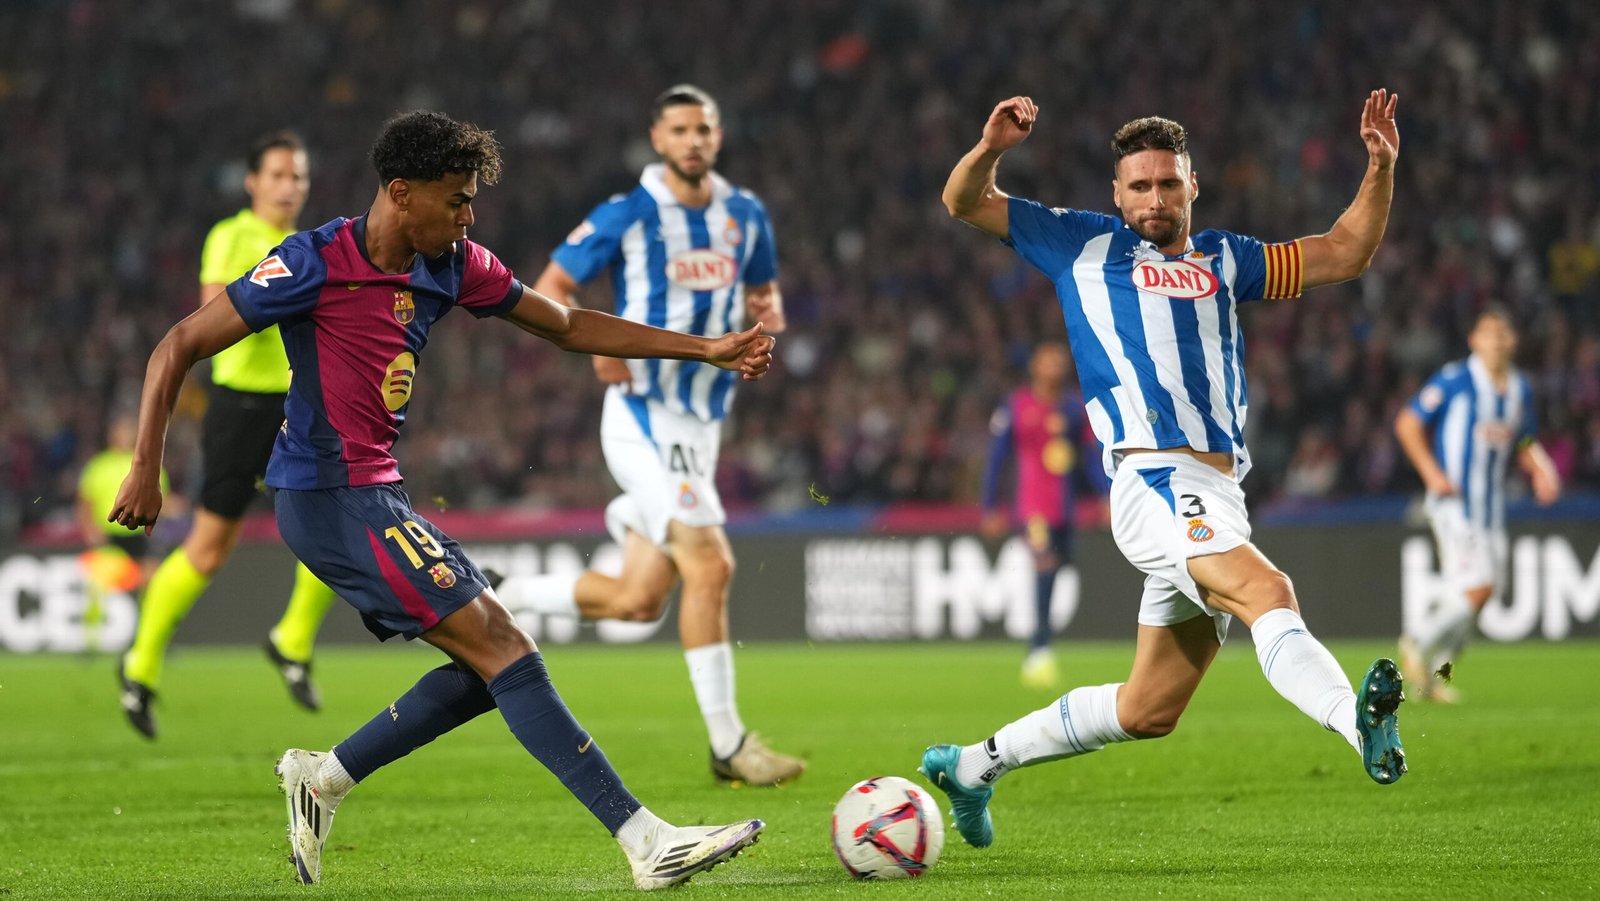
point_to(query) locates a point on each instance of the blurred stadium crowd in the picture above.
(125, 125)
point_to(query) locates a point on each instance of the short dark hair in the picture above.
(278, 140)
(681, 95)
(1494, 309)
(423, 145)
(1149, 133)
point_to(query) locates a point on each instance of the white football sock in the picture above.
(711, 673)
(638, 836)
(1303, 671)
(335, 779)
(1082, 721)
(1442, 635)
(555, 594)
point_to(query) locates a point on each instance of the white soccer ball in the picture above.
(887, 827)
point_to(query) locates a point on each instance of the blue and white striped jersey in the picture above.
(680, 268)
(1155, 338)
(1476, 430)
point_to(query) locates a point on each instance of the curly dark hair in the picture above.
(1149, 133)
(424, 145)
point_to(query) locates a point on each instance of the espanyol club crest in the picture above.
(1199, 531)
(443, 576)
(687, 499)
(404, 309)
(731, 232)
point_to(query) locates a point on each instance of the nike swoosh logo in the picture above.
(354, 286)
(583, 748)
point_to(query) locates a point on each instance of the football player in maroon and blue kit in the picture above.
(355, 300)
(1041, 425)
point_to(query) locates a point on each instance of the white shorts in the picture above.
(665, 463)
(1165, 509)
(1470, 556)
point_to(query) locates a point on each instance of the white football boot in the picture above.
(673, 855)
(310, 809)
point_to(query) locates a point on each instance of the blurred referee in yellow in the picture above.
(242, 417)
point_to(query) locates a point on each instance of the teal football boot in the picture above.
(970, 806)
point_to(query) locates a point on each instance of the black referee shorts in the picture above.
(236, 440)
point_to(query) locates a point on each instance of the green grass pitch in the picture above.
(1247, 799)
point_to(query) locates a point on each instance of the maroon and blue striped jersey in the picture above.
(354, 335)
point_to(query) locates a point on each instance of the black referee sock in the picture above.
(442, 699)
(541, 721)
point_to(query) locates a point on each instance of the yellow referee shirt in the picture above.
(257, 364)
(102, 477)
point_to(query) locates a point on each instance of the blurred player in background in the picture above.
(356, 299)
(1041, 425)
(1151, 315)
(243, 413)
(1459, 432)
(690, 252)
(117, 559)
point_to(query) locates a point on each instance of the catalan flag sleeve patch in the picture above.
(1284, 270)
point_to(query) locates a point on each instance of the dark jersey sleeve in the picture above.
(285, 284)
(487, 287)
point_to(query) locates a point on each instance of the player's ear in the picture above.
(399, 191)
(1194, 186)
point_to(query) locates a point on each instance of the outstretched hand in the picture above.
(1009, 124)
(1378, 129)
(749, 352)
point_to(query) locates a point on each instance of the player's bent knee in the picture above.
(1157, 724)
(639, 608)
(1478, 597)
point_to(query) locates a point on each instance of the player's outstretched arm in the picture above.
(556, 283)
(970, 194)
(212, 328)
(1347, 249)
(588, 331)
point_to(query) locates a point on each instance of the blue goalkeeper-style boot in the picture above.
(1376, 702)
(970, 806)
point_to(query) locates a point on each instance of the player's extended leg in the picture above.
(177, 583)
(704, 561)
(639, 594)
(1168, 664)
(290, 642)
(1244, 583)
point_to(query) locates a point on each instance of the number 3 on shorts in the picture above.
(429, 545)
(1196, 508)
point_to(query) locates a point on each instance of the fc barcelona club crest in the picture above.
(404, 309)
(443, 576)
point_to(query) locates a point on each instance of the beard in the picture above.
(1161, 232)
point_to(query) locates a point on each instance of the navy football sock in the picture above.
(442, 699)
(540, 720)
(1044, 586)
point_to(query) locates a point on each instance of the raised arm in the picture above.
(970, 194)
(1347, 248)
(212, 328)
(589, 331)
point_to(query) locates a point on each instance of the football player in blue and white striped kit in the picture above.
(689, 252)
(1151, 315)
(1459, 432)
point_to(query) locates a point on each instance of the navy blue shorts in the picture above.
(367, 544)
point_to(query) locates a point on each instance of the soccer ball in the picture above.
(887, 828)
